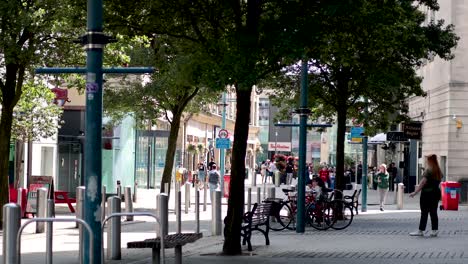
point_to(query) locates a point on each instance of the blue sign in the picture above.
(356, 134)
(223, 143)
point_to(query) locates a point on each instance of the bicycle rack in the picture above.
(51, 219)
(163, 255)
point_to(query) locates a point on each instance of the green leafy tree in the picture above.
(365, 55)
(175, 89)
(32, 33)
(244, 41)
(35, 117)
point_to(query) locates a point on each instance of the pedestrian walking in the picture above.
(201, 175)
(263, 170)
(214, 179)
(430, 196)
(382, 184)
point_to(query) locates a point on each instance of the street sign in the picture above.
(223, 133)
(223, 143)
(413, 130)
(356, 134)
(396, 136)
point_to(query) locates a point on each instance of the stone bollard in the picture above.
(11, 226)
(80, 196)
(277, 178)
(197, 209)
(114, 229)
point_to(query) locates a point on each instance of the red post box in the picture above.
(450, 195)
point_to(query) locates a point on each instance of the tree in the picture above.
(176, 88)
(365, 55)
(30, 32)
(244, 41)
(35, 117)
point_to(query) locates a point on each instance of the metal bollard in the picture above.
(41, 208)
(119, 190)
(128, 202)
(271, 195)
(49, 230)
(103, 203)
(271, 192)
(114, 229)
(176, 191)
(178, 209)
(254, 178)
(216, 222)
(249, 199)
(197, 209)
(205, 191)
(401, 191)
(19, 199)
(80, 195)
(166, 187)
(135, 188)
(163, 199)
(11, 226)
(187, 197)
(259, 194)
(395, 195)
(277, 176)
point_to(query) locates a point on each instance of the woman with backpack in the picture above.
(382, 184)
(214, 179)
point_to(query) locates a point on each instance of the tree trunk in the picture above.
(171, 149)
(340, 147)
(6, 120)
(19, 160)
(233, 220)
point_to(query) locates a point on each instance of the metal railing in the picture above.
(136, 214)
(20, 231)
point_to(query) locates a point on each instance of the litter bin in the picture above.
(227, 183)
(463, 190)
(450, 195)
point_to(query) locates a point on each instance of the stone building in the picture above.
(444, 111)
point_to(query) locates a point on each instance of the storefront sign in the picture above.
(36, 183)
(280, 146)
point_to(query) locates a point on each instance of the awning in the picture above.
(378, 139)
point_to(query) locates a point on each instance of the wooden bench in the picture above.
(353, 200)
(175, 241)
(253, 220)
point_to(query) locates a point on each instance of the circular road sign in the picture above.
(223, 133)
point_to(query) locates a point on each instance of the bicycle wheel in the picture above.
(342, 215)
(282, 219)
(318, 215)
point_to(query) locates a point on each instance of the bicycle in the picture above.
(285, 211)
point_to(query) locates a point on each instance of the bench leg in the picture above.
(178, 254)
(156, 255)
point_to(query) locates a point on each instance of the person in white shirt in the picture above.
(272, 168)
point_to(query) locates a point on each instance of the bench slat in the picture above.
(170, 241)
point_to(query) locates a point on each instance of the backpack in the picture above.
(213, 177)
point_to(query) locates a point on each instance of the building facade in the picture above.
(444, 111)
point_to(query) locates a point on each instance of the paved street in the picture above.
(373, 237)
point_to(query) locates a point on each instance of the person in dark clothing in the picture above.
(359, 173)
(430, 196)
(211, 163)
(393, 172)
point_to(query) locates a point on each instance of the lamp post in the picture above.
(276, 142)
(222, 151)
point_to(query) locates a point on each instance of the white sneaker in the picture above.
(417, 233)
(434, 233)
